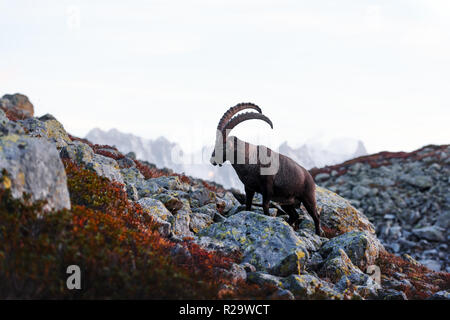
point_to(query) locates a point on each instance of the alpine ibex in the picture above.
(275, 176)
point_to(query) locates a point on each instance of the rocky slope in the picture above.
(204, 243)
(406, 195)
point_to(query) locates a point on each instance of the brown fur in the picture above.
(290, 186)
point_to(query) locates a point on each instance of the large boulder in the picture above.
(82, 154)
(362, 248)
(431, 233)
(33, 166)
(338, 215)
(18, 103)
(264, 241)
(47, 127)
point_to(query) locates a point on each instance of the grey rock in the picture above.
(264, 241)
(431, 233)
(199, 221)
(105, 167)
(156, 209)
(337, 265)
(263, 278)
(422, 182)
(126, 163)
(322, 177)
(169, 183)
(8, 127)
(431, 264)
(209, 209)
(338, 214)
(360, 192)
(310, 287)
(292, 264)
(391, 294)
(18, 103)
(50, 129)
(131, 176)
(147, 188)
(33, 166)
(282, 294)
(441, 295)
(79, 152)
(181, 224)
(172, 202)
(203, 196)
(361, 247)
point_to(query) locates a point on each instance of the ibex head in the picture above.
(224, 144)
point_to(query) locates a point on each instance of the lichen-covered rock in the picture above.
(8, 127)
(338, 265)
(82, 154)
(126, 163)
(227, 202)
(182, 221)
(132, 192)
(263, 278)
(33, 166)
(159, 212)
(47, 127)
(156, 209)
(18, 103)
(338, 214)
(78, 152)
(391, 294)
(169, 183)
(147, 188)
(294, 263)
(209, 209)
(212, 244)
(361, 247)
(311, 240)
(282, 294)
(131, 175)
(105, 167)
(236, 273)
(199, 221)
(264, 241)
(363, 284)
(310, 287)
(170, 200)
(203, 196)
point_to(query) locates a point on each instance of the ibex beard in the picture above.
(275, 176)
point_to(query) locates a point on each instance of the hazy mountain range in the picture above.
(164, 153)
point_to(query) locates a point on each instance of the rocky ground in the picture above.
(350, 262)
(405, 195)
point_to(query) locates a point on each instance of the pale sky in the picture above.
(378, 71)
